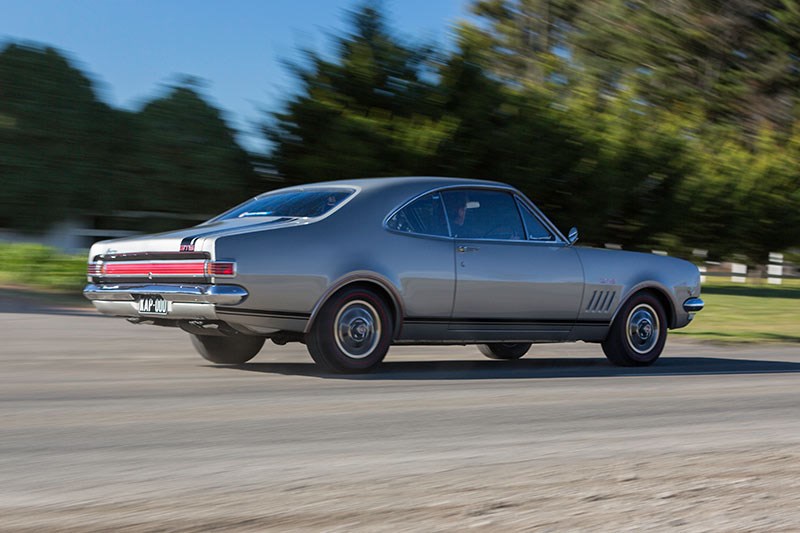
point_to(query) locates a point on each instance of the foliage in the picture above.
(642, 122)
(41, 266)
(188, 156)
(645, 123)
(53, 135)
(370, 113)
(63, 152)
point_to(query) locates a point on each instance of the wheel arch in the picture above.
(660, 293)
(368, 280)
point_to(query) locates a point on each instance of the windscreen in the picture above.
(296, 204)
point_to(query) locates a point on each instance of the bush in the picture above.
(41, 266)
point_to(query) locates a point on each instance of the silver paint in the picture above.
(493, 290)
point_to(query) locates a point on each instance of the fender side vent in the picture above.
(601, 301)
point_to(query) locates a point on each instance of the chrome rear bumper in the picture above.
(184, 302)
(203, 294)
(693, 305)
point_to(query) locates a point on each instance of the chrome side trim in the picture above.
(693, 305)
(212, 294)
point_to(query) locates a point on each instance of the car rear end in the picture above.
(178, 278)
(159, 286)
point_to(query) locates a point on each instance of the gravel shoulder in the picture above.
(109, 426)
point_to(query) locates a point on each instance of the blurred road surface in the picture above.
(109, 426)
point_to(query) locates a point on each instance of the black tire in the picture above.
(504, 350)
(352, 332)
(639, 332)
(227, 350)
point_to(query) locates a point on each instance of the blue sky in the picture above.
(133, 48)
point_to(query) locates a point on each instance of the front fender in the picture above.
(623, 274)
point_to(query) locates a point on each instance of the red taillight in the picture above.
(154, 269)
(160, 268)
(221, 268)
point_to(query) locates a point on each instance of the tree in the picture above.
(602, 129)
(53, 138)
(369, 111)
(641, 108)
(188, 158)
(734, 61)
(526, 40)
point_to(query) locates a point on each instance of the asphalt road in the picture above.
(109, 426)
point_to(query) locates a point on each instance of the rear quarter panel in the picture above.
(292, 269)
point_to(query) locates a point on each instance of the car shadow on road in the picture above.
(532, 369)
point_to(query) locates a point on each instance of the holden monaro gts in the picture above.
(351, 267)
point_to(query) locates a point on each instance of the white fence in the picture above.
(776, 271)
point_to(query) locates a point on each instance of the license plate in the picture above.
(152, 304)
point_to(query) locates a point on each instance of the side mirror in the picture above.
(572, 236)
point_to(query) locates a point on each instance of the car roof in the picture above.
(419, 183)
(423, 181)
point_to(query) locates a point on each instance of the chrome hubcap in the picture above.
(643, 329)
(357, 329)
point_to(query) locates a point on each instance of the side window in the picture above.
(536, 230)
(483, 214)
(424, 216)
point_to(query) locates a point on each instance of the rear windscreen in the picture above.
(296, 203)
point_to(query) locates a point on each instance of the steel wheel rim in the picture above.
(642, 329)
(357, 329)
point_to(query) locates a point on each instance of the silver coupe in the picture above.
(351, 267)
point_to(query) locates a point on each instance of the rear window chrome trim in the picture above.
(354, 190)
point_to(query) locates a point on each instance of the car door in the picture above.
(512, 273)
(420, 251)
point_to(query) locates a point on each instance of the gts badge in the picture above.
(187, 248)
(608, 281)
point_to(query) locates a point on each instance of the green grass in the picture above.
(748, 313)
(41, 267)
(752, 312)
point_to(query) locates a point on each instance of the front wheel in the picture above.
(639, 332)
(504, 350)
(352, 332)
(227, 350)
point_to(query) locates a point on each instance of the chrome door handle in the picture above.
(464, 249)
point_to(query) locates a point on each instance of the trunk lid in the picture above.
(195, 239)
(185, 255)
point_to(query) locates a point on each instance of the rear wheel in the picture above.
(352, 332)
(227, 350)
(504, 350)
(639, 332)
